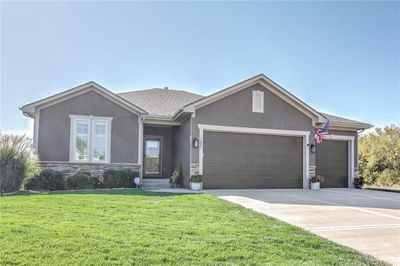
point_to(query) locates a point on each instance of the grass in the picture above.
(131, 227)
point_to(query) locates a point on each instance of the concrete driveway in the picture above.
(366, 220)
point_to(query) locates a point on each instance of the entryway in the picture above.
(157, 152)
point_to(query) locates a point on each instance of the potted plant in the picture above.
(196, 182)
(176, 179)
(316, 181)
(359, 182)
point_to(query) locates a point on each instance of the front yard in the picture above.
(130, 227)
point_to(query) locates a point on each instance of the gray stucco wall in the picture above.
(236, 110)
(166, 133)
(54, 128)
(181, 148)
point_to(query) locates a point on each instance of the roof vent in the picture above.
(165, 88)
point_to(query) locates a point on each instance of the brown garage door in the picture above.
(234, 160)
(332, 163)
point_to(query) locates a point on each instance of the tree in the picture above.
(380, 154)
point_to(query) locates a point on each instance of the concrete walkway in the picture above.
(175, 190)
(368, 221)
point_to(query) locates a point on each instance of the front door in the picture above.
(152, 156)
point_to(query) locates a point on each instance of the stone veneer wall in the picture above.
(95, 169)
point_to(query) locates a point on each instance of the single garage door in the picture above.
(233, 160)
(332, 163)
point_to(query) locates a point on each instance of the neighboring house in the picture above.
(254, 134)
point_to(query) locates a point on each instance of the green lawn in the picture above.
(131, 227)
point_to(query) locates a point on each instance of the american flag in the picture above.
(321, 132)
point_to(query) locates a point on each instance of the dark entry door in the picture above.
(152, 156)
(332, 163)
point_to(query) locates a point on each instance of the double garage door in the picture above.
(233, 160)
(244, 161)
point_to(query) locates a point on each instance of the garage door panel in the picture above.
(332, 163)
(234, 160)
(244, 182)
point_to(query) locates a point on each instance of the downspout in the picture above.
(140, 145)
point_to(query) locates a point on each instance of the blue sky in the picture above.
(339, 57)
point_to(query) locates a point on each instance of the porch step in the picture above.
(155, 183)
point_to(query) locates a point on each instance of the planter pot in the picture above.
(196, 186)
(315, 185)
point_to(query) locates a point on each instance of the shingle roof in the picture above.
(341, 121)
(162, 102)
(166, 102)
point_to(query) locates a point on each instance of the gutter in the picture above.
(26, 114)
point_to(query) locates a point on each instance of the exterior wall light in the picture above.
(195, 143)
(313, 148)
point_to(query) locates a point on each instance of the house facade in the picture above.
(254, 134)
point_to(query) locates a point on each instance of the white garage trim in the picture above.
(350, 155)
(260, 131)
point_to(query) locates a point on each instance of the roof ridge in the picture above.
(161, 89)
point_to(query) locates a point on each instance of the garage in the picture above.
(243, 161)
(332, 163)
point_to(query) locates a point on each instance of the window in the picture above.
(90, 139)
(99, 140)
(258, 101)
(81, 140)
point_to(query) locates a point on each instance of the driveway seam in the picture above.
(364, 196)
(373, 212)
(333, 203)
(351, 227)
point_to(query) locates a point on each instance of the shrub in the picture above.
(18, 161)
(46, 180)
(81, 180)
(119, 178)
(389, 177)
(196, 179)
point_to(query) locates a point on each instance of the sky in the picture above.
(339, 57)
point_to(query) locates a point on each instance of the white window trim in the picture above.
(350, 154)
(262, 131)
(255, 95)
(91, 119)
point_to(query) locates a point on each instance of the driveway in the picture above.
(366, 220)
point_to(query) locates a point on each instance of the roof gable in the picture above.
(68, 94)
(268, 84)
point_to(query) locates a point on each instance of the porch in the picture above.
(164, 150)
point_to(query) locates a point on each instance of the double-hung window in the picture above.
(90, 139)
